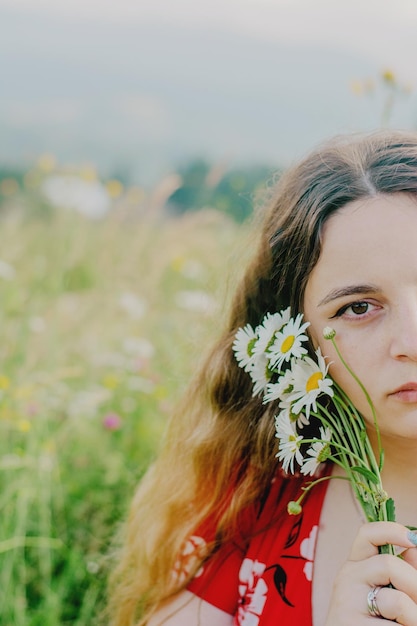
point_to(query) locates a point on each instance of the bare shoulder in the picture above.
(187, 609)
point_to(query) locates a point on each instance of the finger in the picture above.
(410, 556)
(396, 606)
(386, 569)
(373, 535)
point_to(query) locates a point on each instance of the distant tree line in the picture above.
(231, 191)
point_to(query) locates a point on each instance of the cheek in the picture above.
(345, 379)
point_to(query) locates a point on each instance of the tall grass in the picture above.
(100, 326)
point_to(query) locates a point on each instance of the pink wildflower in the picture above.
(112, 421)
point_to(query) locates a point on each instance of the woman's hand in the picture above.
(367, 570)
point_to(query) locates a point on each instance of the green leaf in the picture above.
(367, 473)
(368, 509)
(390, 508)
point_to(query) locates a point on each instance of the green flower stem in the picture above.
(367, 396)
(335, 426)
(369, 462)
(368, 453)
(305, 490)
(382, 510)
(355, 422)
(341, 426)
(359, 426)
(353, 447)
(363, 491)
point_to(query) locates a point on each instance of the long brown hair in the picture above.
(219, 452)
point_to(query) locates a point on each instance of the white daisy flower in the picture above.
(271, 325)
(318, 452)
(260, 374)
(281, 389)
(310, 381)
(289, 443)
(299, 419)
(288, 342)
(245, 339)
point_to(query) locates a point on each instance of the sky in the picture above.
(140, 86)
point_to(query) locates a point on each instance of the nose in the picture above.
(404, 333)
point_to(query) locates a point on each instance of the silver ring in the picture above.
(372, 605)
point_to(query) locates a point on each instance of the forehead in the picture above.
(367, 239)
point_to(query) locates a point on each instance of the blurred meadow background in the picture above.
(136, 140)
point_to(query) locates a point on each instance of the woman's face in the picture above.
(365, 287)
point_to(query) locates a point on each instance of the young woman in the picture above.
(209, 540)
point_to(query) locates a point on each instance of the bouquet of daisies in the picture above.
(275, 356)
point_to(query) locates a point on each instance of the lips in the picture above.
(406, 393)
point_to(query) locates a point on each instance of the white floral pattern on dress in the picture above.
(194, 549)
(252, 591)
(307, 548)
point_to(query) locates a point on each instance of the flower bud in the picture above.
(329, 333)
(294, 508)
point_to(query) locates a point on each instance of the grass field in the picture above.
(101, 324)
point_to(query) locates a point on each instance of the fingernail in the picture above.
(412, 536)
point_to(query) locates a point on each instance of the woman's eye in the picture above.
(359, 308)
(355, 309)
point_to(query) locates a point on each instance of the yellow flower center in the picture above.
(313, 381)
(287, 344)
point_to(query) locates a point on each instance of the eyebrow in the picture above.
(349, 290)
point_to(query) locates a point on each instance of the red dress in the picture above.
(265, 580)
